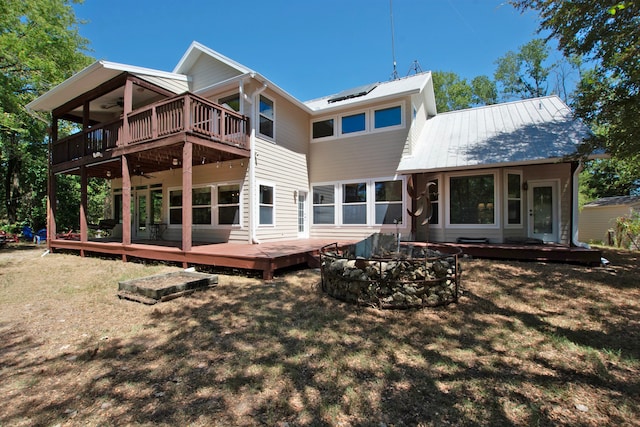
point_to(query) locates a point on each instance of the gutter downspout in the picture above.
(574, 207)
(253, 224)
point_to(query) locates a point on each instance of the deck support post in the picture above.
(83, 206)
(187, 198)
(52, 188)
(126, 203)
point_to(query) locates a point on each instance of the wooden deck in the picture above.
(271, 256)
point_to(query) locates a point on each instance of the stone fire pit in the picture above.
(383, 273)
(164, 287)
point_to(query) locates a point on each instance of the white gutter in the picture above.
(253, 224)
(575, 214)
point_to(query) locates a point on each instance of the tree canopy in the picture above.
(454, 93)
(607, 35)
(39, 47)
(524, 74)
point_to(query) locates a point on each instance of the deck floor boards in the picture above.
(271, 256)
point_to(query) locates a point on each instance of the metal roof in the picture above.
(538, 130)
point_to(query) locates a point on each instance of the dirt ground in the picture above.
(527, 344)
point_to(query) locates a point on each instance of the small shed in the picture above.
(599, 216)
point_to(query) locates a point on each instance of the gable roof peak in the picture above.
(196, 49)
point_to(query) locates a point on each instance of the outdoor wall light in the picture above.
(108, 174)
(525, 186)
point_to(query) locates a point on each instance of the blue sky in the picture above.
(310, 48)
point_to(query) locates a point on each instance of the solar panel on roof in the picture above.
(353, 93)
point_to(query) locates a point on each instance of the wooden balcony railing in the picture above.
(183, 113)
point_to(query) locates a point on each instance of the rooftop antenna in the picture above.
(394, 75)
(415, 67)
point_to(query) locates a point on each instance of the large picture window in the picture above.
(266, 205)
(472, 199)
(324, 204)
(354, 203)
(388, 202)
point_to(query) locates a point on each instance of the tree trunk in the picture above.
(12, 180)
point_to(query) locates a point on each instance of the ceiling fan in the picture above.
(137, 171)
(117, 103)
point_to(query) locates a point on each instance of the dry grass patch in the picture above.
(528, 344)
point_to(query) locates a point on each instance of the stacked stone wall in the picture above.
(412, 278)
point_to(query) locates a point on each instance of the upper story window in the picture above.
(323, 128)
(371, 120)
(231, 101)
(354, 123)
(267, 116)
(387, 117)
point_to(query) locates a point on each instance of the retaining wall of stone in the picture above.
(413, 278)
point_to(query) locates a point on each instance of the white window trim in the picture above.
(370, 204)
(335, 204)
(440, 202)
(367, 202)
(213, 187)
(275, 199)
(506, 198)
(325, 138)
(258, 115)
(216, 205)
(341, 134)
(496, 200)
(369, 122)
(372, 117)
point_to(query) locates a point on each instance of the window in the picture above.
(117, 206)
(229, 204)
(514, 199)
(354, 123)
(472, 199)
(266, 205)
(323, 128)
(434, 197)
(324, 204)
(175, 207)
(201, 205)
(266, 116)
(354, 203)
(387, 117)
(231, 101)
(388, 202)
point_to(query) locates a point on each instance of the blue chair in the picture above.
(41, 236)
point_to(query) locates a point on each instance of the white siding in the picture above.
(207, 71)
(283, 163)
(595, 221)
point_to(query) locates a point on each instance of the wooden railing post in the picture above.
(186, 114)
(154, 122)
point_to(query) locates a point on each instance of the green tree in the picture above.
(524, 74)
(454, 93)
(39, 47)
(610, 177)
(607, 35)
(484, 91)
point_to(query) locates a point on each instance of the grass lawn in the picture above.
(528, 344)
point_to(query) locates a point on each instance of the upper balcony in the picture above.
(220, 132)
